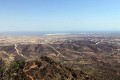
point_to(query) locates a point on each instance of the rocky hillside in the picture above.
(43, 69)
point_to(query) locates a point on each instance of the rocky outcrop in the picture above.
(43, 69)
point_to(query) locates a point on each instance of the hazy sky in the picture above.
(59, 15)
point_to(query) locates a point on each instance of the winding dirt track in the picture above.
(17, 51)
(55, 50)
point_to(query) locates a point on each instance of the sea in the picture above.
(43, 33)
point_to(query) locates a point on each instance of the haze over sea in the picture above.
(41, 33)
